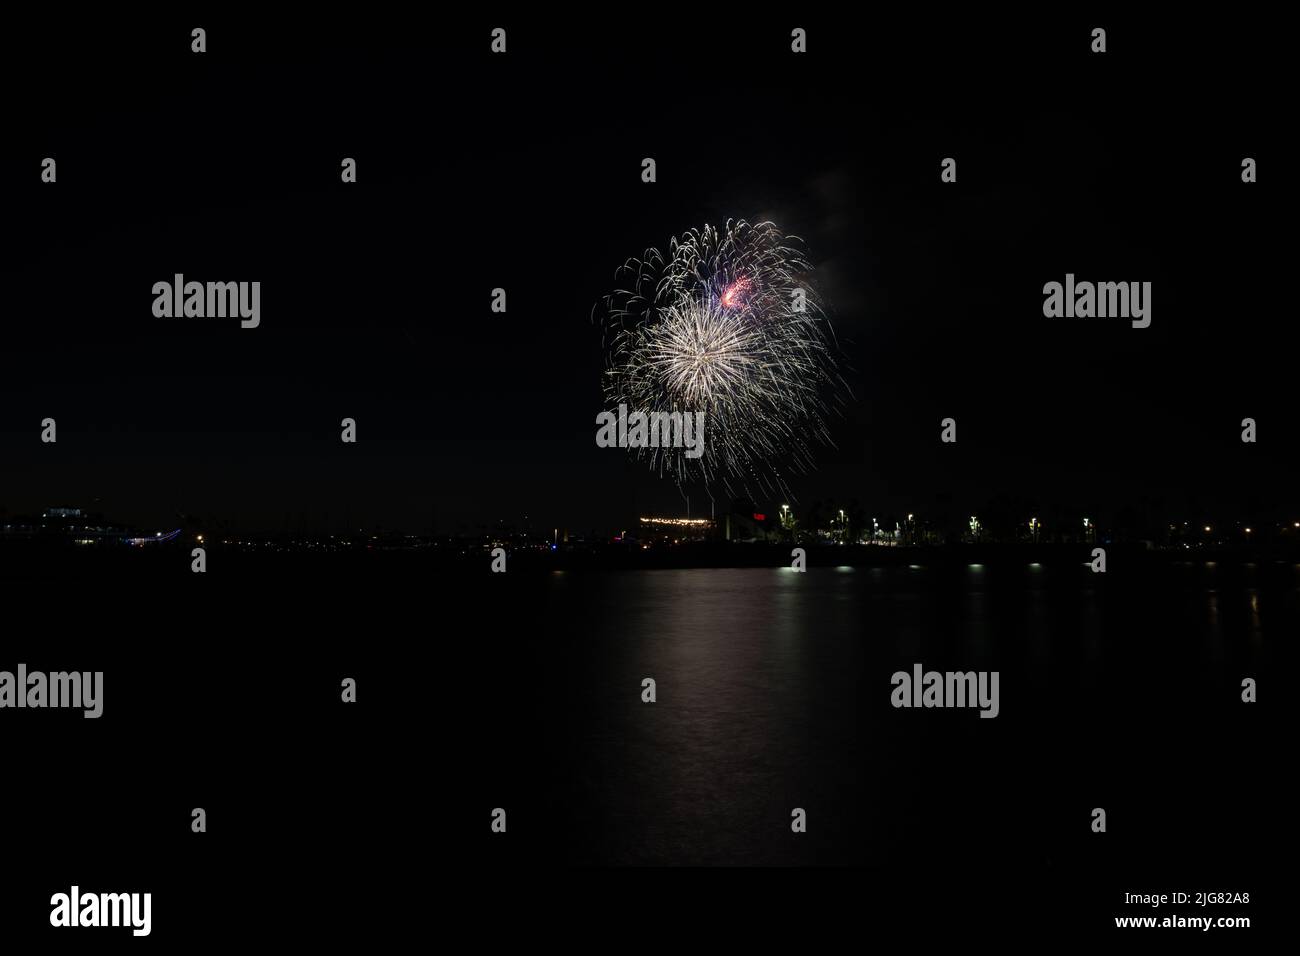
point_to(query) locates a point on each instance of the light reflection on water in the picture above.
(773, 689)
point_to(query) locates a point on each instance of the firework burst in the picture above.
(726, 323)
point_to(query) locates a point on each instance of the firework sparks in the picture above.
(727, 323)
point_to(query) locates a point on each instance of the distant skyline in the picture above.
(1000, 517)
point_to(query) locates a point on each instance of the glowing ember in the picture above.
(731, 297)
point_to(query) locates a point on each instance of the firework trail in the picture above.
(726, 323)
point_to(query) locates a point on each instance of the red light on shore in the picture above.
(759, 517)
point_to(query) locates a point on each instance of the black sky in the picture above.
(523, 171)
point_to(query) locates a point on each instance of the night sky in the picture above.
(523, 171)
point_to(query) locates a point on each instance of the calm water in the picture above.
(523, 691)
(774, 693)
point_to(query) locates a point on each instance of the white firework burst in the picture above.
(729, 324)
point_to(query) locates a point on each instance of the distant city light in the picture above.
(679, 522)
